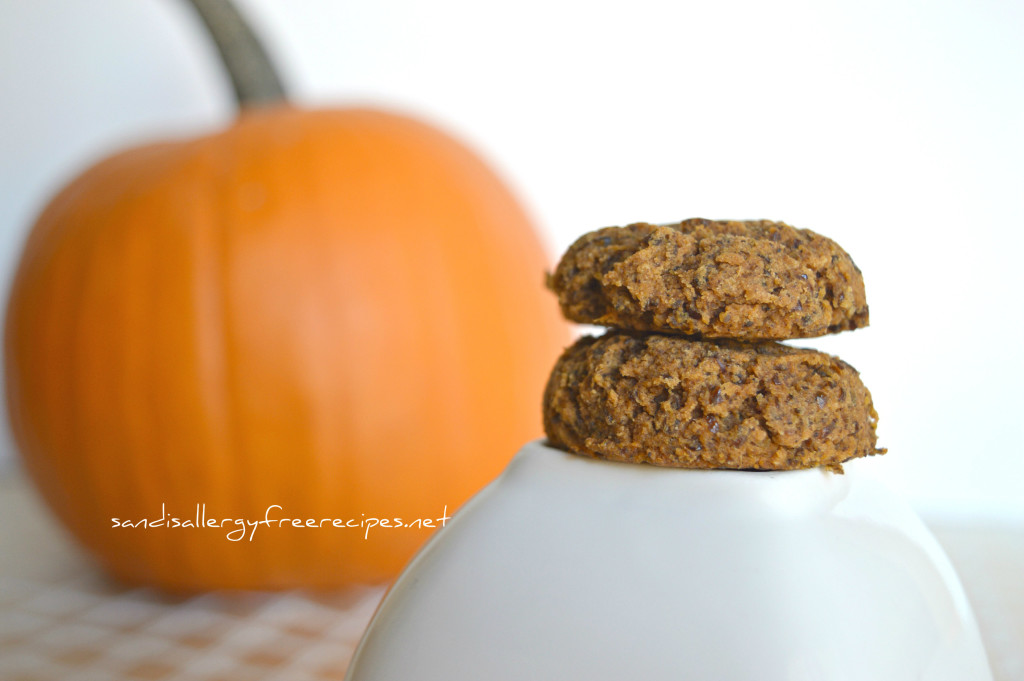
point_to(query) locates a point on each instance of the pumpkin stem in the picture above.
(253, 76)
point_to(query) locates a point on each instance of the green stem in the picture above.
(253, 76)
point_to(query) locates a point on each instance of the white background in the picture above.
(895, 127)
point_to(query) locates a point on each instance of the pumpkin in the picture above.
(326, 320)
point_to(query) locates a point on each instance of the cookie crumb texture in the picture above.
(753, 280)
(672, 401)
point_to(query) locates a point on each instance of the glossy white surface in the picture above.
(571, 568)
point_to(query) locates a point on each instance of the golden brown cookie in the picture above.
(673, 401)
(754, 280)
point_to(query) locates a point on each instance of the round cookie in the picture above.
(754, 280)
(672, 401)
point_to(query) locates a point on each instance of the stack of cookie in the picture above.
(689, 374)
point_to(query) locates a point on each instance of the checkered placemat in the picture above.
(85, 629)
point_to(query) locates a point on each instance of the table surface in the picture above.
(60, 618)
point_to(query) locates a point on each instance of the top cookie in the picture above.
(748, 280)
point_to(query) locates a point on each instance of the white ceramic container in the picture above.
(572, 568)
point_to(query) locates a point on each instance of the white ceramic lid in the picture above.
(573, 568)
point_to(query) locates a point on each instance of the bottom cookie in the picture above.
(671, 401)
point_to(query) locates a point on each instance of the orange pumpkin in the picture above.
(333, 315)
